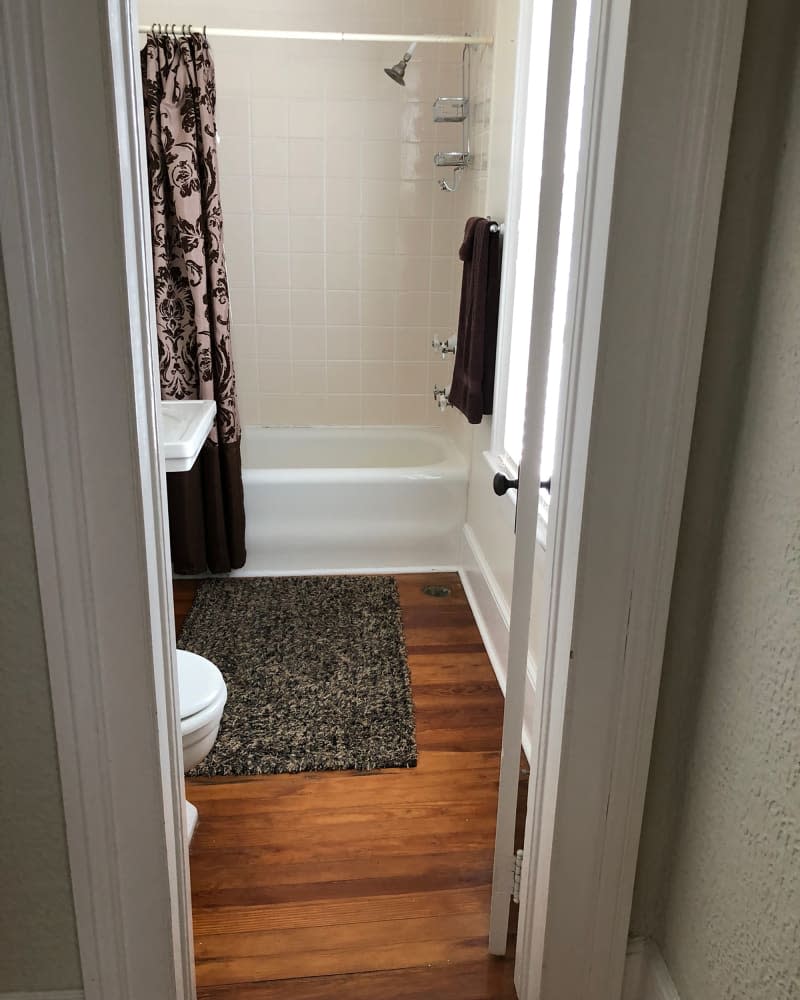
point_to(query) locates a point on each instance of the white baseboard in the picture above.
(44, 995)
(492, 616)
(646, 974)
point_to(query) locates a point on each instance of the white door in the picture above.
(549, 132)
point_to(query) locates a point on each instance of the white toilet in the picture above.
(202, 695)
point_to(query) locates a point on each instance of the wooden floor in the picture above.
(363, 886)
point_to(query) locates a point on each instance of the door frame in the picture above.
(643, 260)
(73, 223)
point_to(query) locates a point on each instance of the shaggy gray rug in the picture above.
(316, 672)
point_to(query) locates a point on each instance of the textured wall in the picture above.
(38, 946)
(718, 884)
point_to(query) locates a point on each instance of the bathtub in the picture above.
(341, 499)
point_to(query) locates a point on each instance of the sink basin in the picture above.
(184, 428)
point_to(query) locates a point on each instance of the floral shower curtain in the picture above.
(206, 505)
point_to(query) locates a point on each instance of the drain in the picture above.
(436, 590)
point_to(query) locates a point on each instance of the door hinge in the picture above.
(517, 875)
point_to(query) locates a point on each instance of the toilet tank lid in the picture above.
(199, 683)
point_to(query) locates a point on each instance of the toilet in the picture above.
(202, 695)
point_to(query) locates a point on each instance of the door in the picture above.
(549, 137)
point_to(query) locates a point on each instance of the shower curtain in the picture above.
(206, 504)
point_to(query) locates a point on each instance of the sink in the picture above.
(184, 428)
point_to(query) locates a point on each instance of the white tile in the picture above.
(342, 196)
(342, 271)
(273, 308)
(268, 76)
(447, 237)
(413, 344)
(342, 158)
(341, 234)
(414, 236)
(379, 198)
(377, 343)
(274, 376)
(275, 411)
(271, 233)
(414, 273)
(306, 234)
(308, 307)
(444, 309)
(270, 195)
(380, 272)
(306, 196)
(234, 156)
(416, 121)
(306, 119)
(414, 199)
(376, 410)
(344, 378)
(270, 156)
(343, 119)
(380, 159)
(443, 273)
(342, 308)
(378, 377)
(306, 270)
(310, 411)
(270, 117)
(249, 408)
(410, 410)
(235, 196)
(413, 309)
(306, 157)
(344, 411)
(308, 343)
(344, 343)
(378, 308)
(411, 379)
(243, 339)
(247, 380)
(378, 235)
(309, 378)
(233, 117)
(382, 119)
(274, 342)
(243, 306)
(272, 270)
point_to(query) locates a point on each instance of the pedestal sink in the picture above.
(185, 425)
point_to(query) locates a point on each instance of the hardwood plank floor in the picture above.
(370, 886)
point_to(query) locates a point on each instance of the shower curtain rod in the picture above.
(322, 36)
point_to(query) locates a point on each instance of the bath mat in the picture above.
(316, 671)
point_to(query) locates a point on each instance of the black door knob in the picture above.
(501, 485)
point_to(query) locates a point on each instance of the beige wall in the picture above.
(341, 249)
(38, 946)
(718, 884)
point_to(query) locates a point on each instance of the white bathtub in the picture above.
(336, 499)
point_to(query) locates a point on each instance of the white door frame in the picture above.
(73, 224)
(642, 264)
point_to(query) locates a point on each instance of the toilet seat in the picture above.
(200, 686)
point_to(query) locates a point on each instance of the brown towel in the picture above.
(472, 388)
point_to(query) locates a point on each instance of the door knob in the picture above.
(501, 484)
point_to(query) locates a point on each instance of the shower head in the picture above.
(398, 71)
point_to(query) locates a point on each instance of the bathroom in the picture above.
(341, 238)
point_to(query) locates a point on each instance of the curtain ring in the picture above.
(205, 36)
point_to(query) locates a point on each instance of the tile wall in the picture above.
(341, 249)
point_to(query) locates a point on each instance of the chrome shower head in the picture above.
(398, 71)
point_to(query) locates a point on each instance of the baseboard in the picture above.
(646, 974)
(44, 995)
(492, 616)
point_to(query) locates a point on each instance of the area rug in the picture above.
(316, 671)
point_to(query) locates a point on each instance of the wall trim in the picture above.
(45, 995)
(493, 618)
(646, 974)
